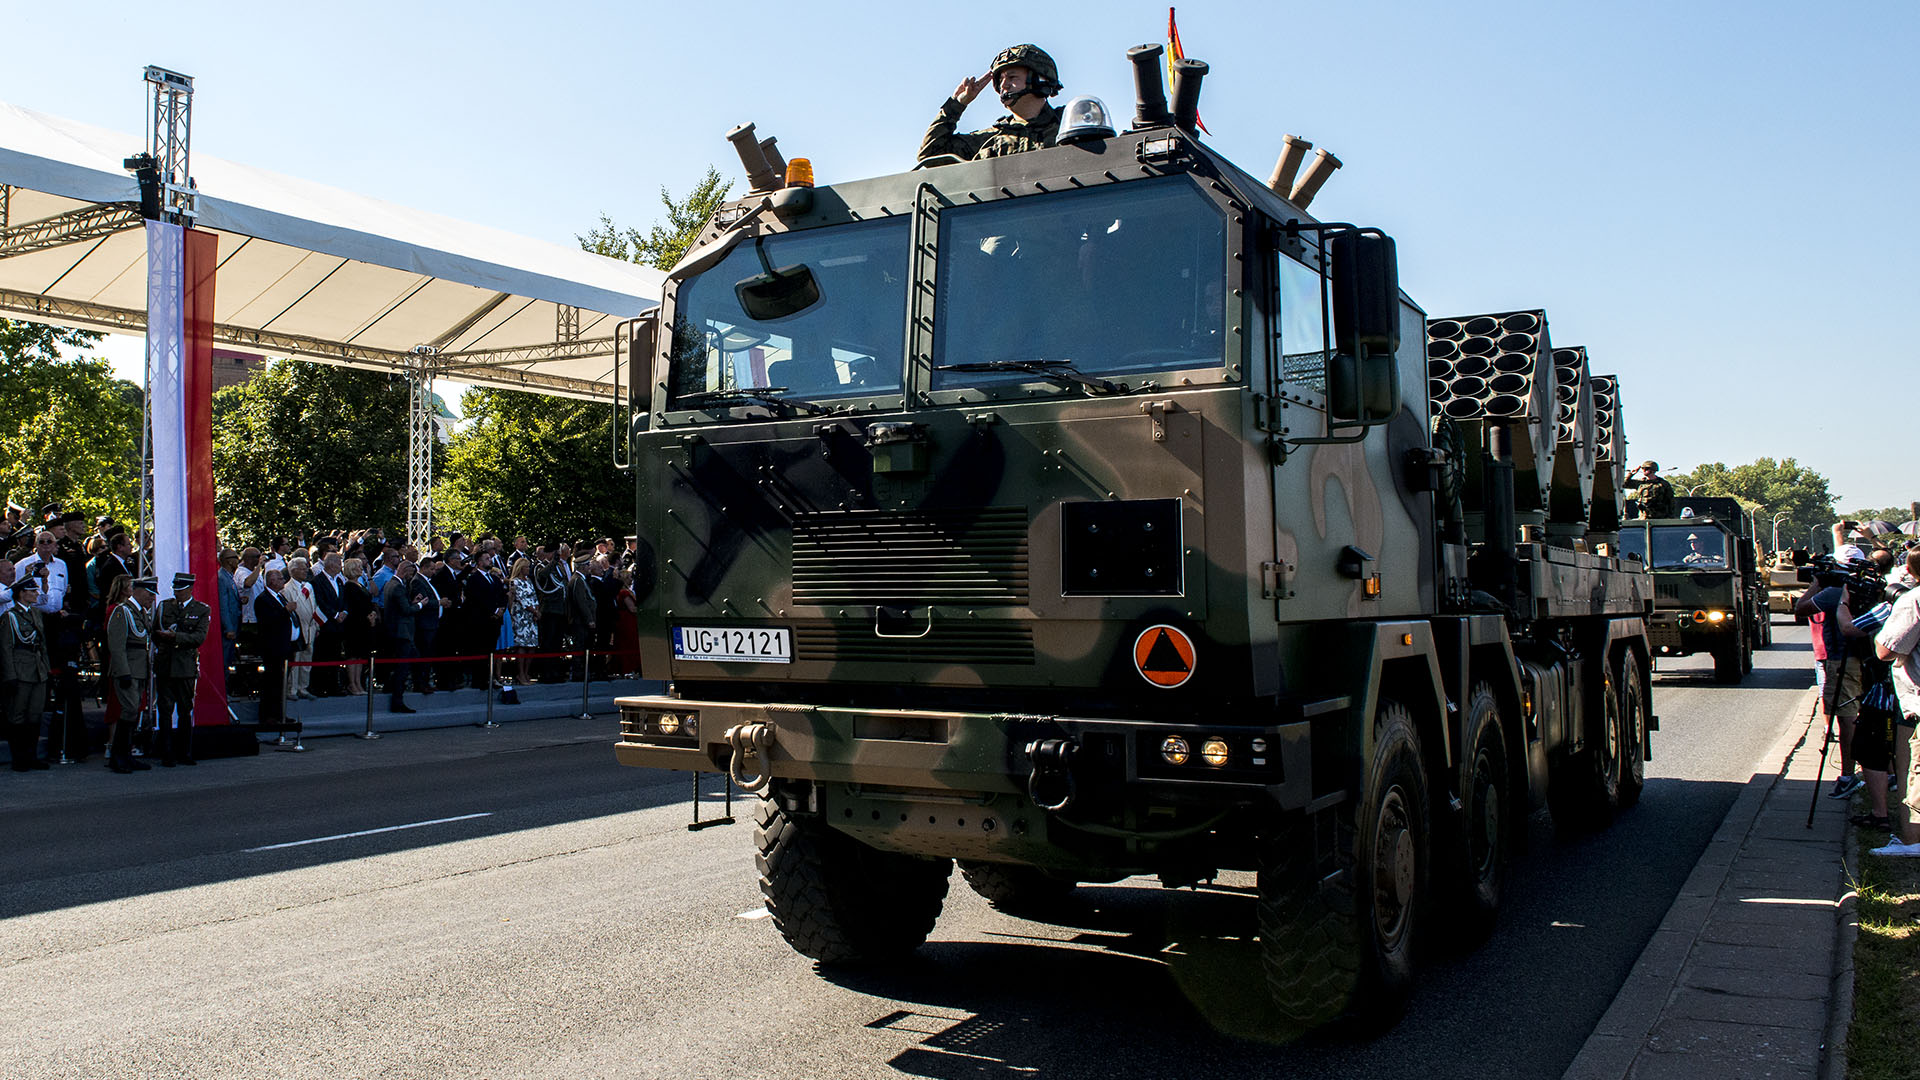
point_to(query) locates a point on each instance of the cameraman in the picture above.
(1828, 598)
(1899, 642)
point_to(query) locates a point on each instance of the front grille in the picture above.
(1666, 590)
(944, 643)
(911, 558)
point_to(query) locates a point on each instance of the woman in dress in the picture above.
(357, 633)
(523, 607)
(626, 628)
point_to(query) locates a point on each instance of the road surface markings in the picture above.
(1789, 900)
(756, 913)
(367, 832)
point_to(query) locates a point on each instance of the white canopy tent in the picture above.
(308, 271)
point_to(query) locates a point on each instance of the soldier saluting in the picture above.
(127, 635)
(1024, 77)
(23, 674)
(181, 627)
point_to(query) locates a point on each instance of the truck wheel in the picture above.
(1583, 789)
(1633, 730)
(1746, 655)
(1476, 859)
(839, 901)
(1726, 662)
(1016, 890)
(1343, 946)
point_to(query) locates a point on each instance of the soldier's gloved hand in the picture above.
(126, 682)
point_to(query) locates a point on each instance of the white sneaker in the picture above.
(1896, 847)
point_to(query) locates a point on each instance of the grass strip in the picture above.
(1882, 1043)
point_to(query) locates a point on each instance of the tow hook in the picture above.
(1050, 783)
(754, 739)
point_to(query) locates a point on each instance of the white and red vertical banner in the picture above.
(180, 271)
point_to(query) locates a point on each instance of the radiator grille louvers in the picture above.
(911, 558)
(945, 643)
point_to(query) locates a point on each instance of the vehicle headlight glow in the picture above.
(1716, 616)
(668, 724)
(1174, 750)
(1214, 752)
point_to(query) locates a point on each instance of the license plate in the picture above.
(760, 645)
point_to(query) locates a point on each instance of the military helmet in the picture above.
(1046, 75)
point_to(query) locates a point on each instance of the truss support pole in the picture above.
(422, 433)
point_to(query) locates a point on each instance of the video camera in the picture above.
(1865, 587)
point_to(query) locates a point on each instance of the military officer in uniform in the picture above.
(1024, 77)
(128, 668)
(24, 669)
(180, 628)
(1655, 494)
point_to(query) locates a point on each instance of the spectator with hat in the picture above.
(128, 669)
(550, 580)
(181, 627)
(24, 670)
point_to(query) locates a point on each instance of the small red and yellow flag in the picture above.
(1175, 52)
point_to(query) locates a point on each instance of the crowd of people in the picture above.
(1864, 610)
(337, 614)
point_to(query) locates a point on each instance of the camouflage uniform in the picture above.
(177, 666)
(1008, 135)
(23, 680)
(1656, 498)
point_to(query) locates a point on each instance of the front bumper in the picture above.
(1678, 633)
(971, 753)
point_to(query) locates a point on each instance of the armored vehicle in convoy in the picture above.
(1708, 593)
(1094, 512)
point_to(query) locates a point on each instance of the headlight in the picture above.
(1716, 616)
(668, 724)
(1214, 752)
(1174, 750)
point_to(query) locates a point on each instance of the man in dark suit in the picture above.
(398, 606)
(484, 596)
(583, 612)
(273, 617)
(426, 620)
(333, 616)
(452, 637)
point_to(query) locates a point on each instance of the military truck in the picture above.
(1085, 513)
(1708, 593)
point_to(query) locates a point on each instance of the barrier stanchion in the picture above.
(586, 682)
(493, 659)
(373, 675)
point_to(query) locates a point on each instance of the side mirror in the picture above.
(643, 342)
(1363, 383)
(776, 292)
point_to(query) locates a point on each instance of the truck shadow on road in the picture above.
(1134, 980)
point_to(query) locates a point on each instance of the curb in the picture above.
(1622, 1032)
(1840, 1014)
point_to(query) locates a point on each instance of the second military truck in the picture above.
(1095, 512)
(1708, 592)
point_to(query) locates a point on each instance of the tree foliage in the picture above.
(305, 447)
(69, 430)
(662, 245)
(1892, 515)
(525, 463)
(1768, 487)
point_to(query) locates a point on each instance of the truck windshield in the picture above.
(1681, 547)
(1104, 281)
(848, 343)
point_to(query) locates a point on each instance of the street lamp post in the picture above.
(1777, 518)
(1693, 489)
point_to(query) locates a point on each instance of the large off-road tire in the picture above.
(1726, 661)
(1474, 860)
(1633, 729)
(839, 901)
(1342, 946)
(1583, 789)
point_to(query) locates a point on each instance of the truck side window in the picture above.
(1303, 357)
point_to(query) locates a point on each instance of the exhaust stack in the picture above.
(776, 161)
(1149, 92)
(1293, 151)
(1316, 175)
(1186, 93)
(760, 175)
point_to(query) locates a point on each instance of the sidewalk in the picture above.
(1751, 973)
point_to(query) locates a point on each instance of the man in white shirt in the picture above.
(1899, 642)
(298, 593)
(53, 578)
(250, 578)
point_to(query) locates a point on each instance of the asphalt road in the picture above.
(515, 905)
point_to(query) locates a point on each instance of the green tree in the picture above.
(662, 245)
(1892, 515)
(1768, 487)
(305, 447)
(69, 430)
(525, 463)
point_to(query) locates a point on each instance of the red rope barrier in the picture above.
(447, 659)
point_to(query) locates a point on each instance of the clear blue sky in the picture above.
(1714, 197)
